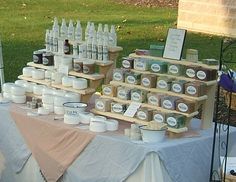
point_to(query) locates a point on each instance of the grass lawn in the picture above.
(23, 25)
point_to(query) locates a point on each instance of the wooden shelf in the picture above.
(41, 66)
(156, 90)
(134, 120)
(42, 82)
(182, 62)
(151, 106)
(95, 76)
(208, 83)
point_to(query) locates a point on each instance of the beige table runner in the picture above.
(54, 144)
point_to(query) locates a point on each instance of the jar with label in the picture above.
(78, 65)
(48, 59)
(66, 47)
(128, 63)
(118, 108)
(123, 93)
(144, 114)
(175, 120)
(177, 86)
(206, 74)
(138, 95)
(158, 67)
(119, 74)
(164, 83)
(148, 80)
(141, 64)
(191, 71)
(185, 106)
(159, 116)
(89, 67)
(132, 78)
(154, 98)
(175, 69)
(109, 90)
(102, 104)
(169, 102)
(195, 89)
(38, 57)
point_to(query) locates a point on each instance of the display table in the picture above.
(112, 157)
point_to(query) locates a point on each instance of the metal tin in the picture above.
(48, 59)
(38, 57)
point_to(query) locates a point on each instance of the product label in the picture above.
(191, 90)
(171, 121)
(158, 118)
(100, 105)
(201, 75)
(173, 69)
(35, 58)
(142, 115)
(107, 91)
(177, 88)
(182, 107)
(167, 104)
(190, 72)
(136, 97)
(117, 76)
(126, 64)
(77, 67)
(85, 69)
(146, 82)
(122, 94)
(117, 108)
(162, 84)
(140, 65)
(66, 49)
(155, 67)
(131, 79)
(45, 61)
(153, 100)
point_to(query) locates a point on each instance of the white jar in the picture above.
(18, 99)
(20, 82)
(58, 110)
(7, 87)
(71, 119)
(85, 117)
(29, 87)
(80, 83)
(61, 93)
(73, 97)
(56, 77)
(59, 101)
(67, 81)
(38, 89)
(27, 71)
(97, 126)
(38, 74)
(7, 95)
(17, 90)
(48, 99)
(50, 107)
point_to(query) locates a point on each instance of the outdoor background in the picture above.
(139, 24)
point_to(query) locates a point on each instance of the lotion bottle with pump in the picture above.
(78, 32)
(63, 29)
(86, 34)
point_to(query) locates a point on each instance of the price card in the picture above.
(132, 109)
(63, 69)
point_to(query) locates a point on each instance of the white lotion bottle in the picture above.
(94, 46)
(63, 29)
(71, 31)
(105, 49)
(78, 32)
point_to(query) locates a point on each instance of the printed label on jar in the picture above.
(126, 64)
(117, 76)
(162, 84)
(77, 67)
(35, 58)
(85, 69)
(173, 69)
(182, 107)
(190, 72)
(177, 88)
(100, 105)
(146, 82)
(142, 115)
(155, 67)
(201, 75)
(131, 79)
(140, 65)
(107, 91)
(191, 90)
(171, 121)
(45, 61)
(122, 94)
(136, 96)
(167, 104)
(158, 118)
(117, 108)
(153, 100)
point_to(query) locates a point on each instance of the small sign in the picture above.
(132, 109)
(174, 43)
(63, 69)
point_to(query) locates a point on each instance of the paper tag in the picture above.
(132, 109)
(63, 69)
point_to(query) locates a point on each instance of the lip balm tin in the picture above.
(148, 80)
(48, 59)
(177, 86)
(191, 71)
(158, 67)
(119, 74)
(141, 64)
(164, 83)
(159, 116)
(89, 67)
(175, 120)
(78, 65)
(169, 102)
(206, 74)
(128, 63)
(38, 57)
(185, 106)
(154, 98)
(102, 104)
(123, 93)
(138, 95)
(109, 90)
(195, 89)
(132, 78)
(175, 69)
(118, 108)
(144, 114)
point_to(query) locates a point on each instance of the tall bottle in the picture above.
(112, 36)
(106, 30)
(100, 47)
(55, 26)
(94, 46)
(47, 40)
(55, 41)
(105, 48)
(71, 31)
(100, 31)
(89, 47)
(51, 40)
(86, 34)
(91, 30)
(63, 29)
(78, 32)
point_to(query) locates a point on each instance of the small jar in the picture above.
(66, 47)
(78, 65)
(88, 67)
(48, 59)
(38, 57)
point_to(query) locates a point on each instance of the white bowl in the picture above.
(152, 136)
(67, 81)
(74, 108)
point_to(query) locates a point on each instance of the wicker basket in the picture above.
(227, 99)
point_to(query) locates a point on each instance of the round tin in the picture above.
(38, 57)
(48, 59)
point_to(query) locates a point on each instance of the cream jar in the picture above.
(38, 74)
(112, 124)
(67, 81)
(89, 67)
(29, 86)
(71, 119)
(58, 110)
(27, 71)
(38, 89)
(48, 99)
(56, 77)
(17, 90)
(97, 126)
(80, 83)
(59, 101)
(18, 99)
(7, 87)
(73, 97)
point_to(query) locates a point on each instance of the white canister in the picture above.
(17, 90)
(85, 117)
(58, 110)
(7, 95)
(7, 87)
(18, 99)
(20, 82)
(98, 118)
(71, 119)
(48, 90)
(38, 89)
(43, 111)
(67, 81)
(48, 99)
(57, 61)
(56, 77)
(50, 107)
(112, 124)
(66, 61)
(38, 74)
(80, 83)
(48, 74)
(97, 126)
(74, 108)
(29, 86)
(59, 101)
(61, 93)
(27, 71)
(73, 97)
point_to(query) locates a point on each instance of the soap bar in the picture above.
(119, 74)
(164, 83)
(206, 74)
(175, 69)
(128, 63)
(191, 71)
(154, 98)
(158, 67)
(195, 89)
(159, 116)
(138, 95)
(177, 86)
(118, 108)
(102, 104)
(144, 114)
(169, 102)
(185, 106)
(148, 80)
(210, 61)
(109, 90)
(141, 64)
(175, 120)
(123, 93)
(132, 78)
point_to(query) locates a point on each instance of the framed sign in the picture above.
(174, 43)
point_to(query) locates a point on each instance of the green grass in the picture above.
(22, 28)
